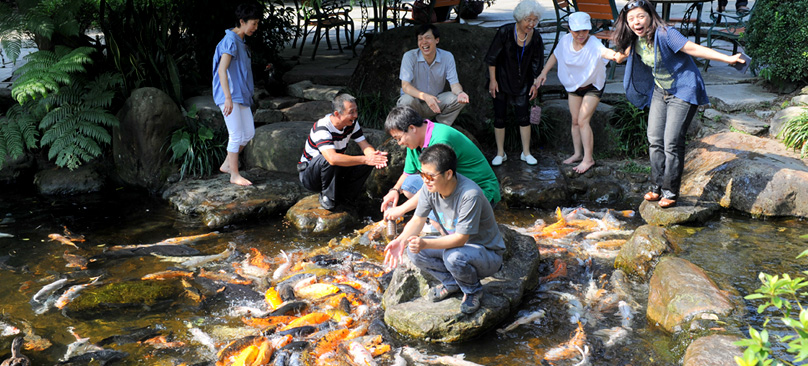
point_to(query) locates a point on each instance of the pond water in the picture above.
(732, 249)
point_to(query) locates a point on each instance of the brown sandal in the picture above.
(665, 203)
(652, 196)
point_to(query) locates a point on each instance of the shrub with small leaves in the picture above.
(777, 39)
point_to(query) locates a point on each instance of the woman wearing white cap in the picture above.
(514, 61)
(582, 63)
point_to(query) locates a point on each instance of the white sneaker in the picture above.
(497, 161)
(529, 159)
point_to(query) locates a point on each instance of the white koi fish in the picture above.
(8, 329)
(195, 261)
(281, 270)
(626, 314)
(611, 336)
(4, 235)
(417, 357)
(79, 347)
(72, 293)
(360, 355)
(529, 318)
(203, 338)
(42, 295)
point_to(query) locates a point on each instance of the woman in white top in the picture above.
(582, 63)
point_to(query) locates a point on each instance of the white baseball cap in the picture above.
(579, 21)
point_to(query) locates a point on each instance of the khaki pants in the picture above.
(447, 102)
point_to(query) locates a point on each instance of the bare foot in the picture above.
(572, 159)
(238, 179)
(224, 168)
(583, 167)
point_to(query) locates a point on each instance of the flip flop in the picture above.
(665, 203)
(652, 196)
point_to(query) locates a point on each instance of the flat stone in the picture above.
(764, 114)
(281, 102)
(267, 116)
(735, 97)
(688, 209)
(310, 91)
(217, 202)
(713, 350)
(410, 314)
(746, 124)
(307, 216)
(307, 111)
(712, 114)
(783, 116)
(679, 291)
(755, 175)
(541, 185)
(296, 90)
(640, 253)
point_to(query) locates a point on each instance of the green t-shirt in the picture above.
(471, 162)
(662, 77)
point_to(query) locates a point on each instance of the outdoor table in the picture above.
(697, 4)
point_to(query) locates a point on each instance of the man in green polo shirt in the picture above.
(415, 133)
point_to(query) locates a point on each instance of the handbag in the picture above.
(535, 115)
(421, 13)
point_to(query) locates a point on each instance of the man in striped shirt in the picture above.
(324, 167)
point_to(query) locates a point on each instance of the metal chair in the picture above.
(563, 9)
(604, 14)
(729, 27)
(322, 17)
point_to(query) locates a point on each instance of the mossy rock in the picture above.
(113, 298)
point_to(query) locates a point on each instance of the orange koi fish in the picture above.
(316, 291)
(568, 349)
(242, 351)
(330, 341)
(74, 260)
(186, 239)
(73, 237)
(72, 293)
(269, 321)
(273, 298)
(308, 319)
(560, 271)
(63, 240)
(168, 274)
(610, 244)
(160, 342)
(224, 277)
(258, 259)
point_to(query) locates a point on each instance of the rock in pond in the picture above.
(541, 185)
(115, 299)
(409, 313)
(218, 202)
(639, 254)
(679, 291)
(688, 209)
(307, 216)
(747, 173)
(84, 179)
(713, 350)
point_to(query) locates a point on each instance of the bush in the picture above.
(196, 147)
(795, 134)
(777, 40)
(631, 128)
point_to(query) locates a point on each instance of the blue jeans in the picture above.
(462, 266)
(668, 120)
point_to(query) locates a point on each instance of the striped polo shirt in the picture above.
(324, 135)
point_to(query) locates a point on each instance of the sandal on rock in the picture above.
(665, 203)
(440, 292)
(652, 196)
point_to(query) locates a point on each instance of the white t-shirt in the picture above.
(583, 67)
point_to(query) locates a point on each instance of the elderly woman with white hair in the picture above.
(515, 61)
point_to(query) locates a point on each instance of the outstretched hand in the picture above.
(392, 253)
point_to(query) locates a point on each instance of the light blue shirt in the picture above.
(430, 79)
(239, 73)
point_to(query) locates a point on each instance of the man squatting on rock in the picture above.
(415, 133)
(324, 167)
(424, 73)
(470, 247)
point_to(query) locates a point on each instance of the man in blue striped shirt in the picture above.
(324, 167)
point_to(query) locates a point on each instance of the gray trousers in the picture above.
(668, 120)
(463, 266)
(447, 102)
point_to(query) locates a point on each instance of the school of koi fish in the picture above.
(323, 307)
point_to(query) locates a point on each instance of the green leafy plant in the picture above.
(57, 100)
(631, 126)
(635, 168)
(782, 293)
(197, 147)
(776, 39)
(795, 134)
(373, 109)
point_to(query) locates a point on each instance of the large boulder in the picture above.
(640, 253)
(217, 202)
(207, 111)
(13, 169)
(713, 350)
(410, 314)
(377, 70)
(307, 216)
(679, 291)
(147, 120)
(747, 173)
(84, 179)
(556, 113)
(541, 185)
